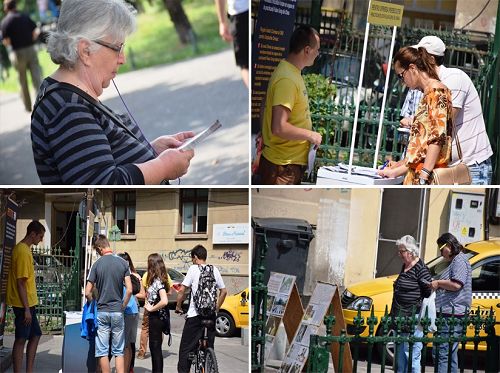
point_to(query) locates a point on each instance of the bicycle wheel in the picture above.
(210, 361)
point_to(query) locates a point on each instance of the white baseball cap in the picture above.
(432, 44)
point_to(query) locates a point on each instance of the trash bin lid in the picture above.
(289, 225)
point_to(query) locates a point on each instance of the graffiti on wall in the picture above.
(230, 256)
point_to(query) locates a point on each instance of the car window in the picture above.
(439, 264)
(486, 276)
(175, 275)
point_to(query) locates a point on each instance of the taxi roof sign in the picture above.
(385, 14)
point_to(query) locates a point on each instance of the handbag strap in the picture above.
(455, 136)
(68, 87)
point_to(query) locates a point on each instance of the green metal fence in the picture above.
(340, 61)
(259, 299)
(483, 326)
(57, 279)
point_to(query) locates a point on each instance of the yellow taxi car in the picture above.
(233, 314)
(484, 257)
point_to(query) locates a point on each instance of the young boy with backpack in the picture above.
(204, 280)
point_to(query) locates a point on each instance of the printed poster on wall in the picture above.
(275, 20)
(316, 310)
(279, 289)
(9, 241)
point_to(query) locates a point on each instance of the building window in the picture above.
(124, 203)
(193, 209)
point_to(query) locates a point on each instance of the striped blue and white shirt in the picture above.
(75, 143)
(456, 302)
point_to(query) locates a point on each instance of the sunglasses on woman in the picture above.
(401, 75)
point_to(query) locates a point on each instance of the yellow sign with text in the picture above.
(385, 14)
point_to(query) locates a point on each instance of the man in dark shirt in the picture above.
(107, 275)
(19, 32)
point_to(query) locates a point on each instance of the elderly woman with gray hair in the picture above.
(411, 286)
(75, 138)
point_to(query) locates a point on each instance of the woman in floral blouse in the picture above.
(429, 145)
(156, 302)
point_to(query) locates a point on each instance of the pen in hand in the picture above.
(385, 164)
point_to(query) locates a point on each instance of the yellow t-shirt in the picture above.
(286, 87)
(21, 267)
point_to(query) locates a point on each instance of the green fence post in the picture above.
(493, 115)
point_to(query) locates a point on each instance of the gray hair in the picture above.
(92, 20)
(409, 244)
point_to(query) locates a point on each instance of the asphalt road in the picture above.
(165, 99)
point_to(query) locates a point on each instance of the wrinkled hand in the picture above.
(315, 138)
(27, 317)
(224, 32)
(434, 285)
(177, 161)
(163, 143)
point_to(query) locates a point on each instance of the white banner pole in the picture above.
(385, 97)
(358, 96)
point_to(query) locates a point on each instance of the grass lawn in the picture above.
(155, 41)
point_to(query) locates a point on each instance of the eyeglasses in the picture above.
(402, 251)
(117, 48)
(443, 246)
(401, 75)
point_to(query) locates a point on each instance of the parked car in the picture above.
(49, 269)
(177, 278)
(484, 257)
(233, 314)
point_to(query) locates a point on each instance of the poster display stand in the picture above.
(325, 297)
(283, 305)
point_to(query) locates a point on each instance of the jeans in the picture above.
(110, 324)
(444, 349)
(481, 173)
(404, 353)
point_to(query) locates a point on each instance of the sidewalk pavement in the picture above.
(232, 355)
(188, 95)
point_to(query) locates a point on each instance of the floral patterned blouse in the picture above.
(432, 124)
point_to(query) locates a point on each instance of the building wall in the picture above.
(158, 230)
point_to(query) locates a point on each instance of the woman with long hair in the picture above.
(429, 146)
(131, 313)
(156, 300)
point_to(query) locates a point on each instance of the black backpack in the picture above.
(205, 298)
(136, 284)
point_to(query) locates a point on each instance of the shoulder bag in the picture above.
(458, 174)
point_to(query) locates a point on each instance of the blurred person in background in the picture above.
(20, 33)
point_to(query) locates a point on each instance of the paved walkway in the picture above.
(166, 99)
(232, 354)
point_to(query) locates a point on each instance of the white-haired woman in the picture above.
(411, 286)
(76, 139)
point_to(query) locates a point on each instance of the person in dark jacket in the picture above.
(19, 33)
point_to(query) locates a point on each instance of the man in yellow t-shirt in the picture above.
(287, 126)
(21, 295)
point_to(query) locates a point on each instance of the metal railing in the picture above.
(392, 333)
(340, 60)
(57, 279)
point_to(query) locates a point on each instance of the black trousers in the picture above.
(191, 334)
(155, 340)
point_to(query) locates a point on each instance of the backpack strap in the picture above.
(97, 104)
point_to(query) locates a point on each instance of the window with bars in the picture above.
(124, 207)
(193, 209)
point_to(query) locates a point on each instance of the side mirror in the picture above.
(243, 298)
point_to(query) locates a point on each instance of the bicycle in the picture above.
(203, 358)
